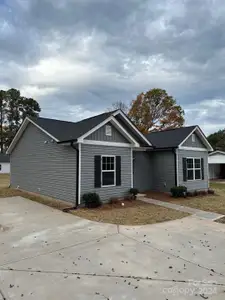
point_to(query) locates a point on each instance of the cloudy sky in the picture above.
(76, 57)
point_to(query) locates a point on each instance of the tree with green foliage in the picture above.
(14, 108)
(156, 110)
(217, 140)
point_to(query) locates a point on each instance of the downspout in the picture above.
(175, 165)
(77, 179)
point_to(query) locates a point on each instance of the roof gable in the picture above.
(171, 138)
(174, 138)
(63, 131)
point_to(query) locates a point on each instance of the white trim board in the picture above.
(217, 152)
(193, 149)
(79, 175)
(102, 143)
(132, 125)
(22, 129)
(202, 137)
(116, 124)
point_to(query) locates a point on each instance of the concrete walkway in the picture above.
(194, 211)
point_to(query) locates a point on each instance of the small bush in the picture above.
(134, 192)
(91, 200)
(178, 191)
(211, 192)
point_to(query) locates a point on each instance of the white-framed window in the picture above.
(108, 170)
(193, 138)
(108, 130)
(194, 170)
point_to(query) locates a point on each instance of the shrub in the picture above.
(134, 192)
(211, 192)
(91, 200)
(178, 191)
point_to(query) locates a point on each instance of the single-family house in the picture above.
(4, 164)
(106, 154)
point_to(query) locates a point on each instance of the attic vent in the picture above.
(193, 138)
(108, 130)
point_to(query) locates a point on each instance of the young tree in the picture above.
(13, 110)
(217, 140)
(156, 110)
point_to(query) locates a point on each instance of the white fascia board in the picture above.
(116, 124)
(202, 137)
(132, 125)
(103, 143)
(193, 149)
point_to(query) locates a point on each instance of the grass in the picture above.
(4, 180)
(132, 213)
(213, 203)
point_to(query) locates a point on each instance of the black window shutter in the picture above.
(184, 169)
(202, 166)
(97, 171)
(118, 170)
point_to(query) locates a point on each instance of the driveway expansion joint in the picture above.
(138, 278)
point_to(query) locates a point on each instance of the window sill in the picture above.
(105, 186)
(191, 180)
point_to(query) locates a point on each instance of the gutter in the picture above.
(77, 179)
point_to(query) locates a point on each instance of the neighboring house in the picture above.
(217, 165)
(4, 164)
(106, 154)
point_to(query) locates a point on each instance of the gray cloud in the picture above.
(77, 57)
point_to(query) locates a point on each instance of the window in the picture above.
(194, 169)
(193, 138)
(108, 130)
(108, 170)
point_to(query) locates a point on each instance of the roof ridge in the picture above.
(71, 122)
(166, 130)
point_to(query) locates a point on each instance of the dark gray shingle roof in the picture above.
(66, 131)
(4, 158)
(169, 138)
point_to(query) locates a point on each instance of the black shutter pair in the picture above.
(98, 169)
(185, 168)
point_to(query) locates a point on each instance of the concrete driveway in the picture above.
(46, 254)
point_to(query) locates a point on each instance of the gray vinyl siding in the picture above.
(143, 170)
(88, 153)
(163, 170)
(198, 143)
(196, 184)
(45, 168)
(99, 135)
